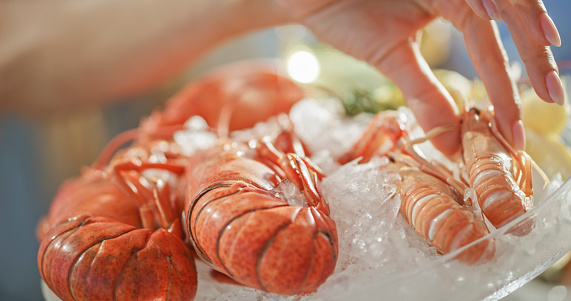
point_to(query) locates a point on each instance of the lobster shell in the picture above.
(242, 229)
(97, 249)
(497, 173)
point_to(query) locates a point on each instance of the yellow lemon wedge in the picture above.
(549, 152)
(544, 118)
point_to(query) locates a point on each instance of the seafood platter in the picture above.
(250, 186)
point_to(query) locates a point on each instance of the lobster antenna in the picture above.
(430, 167)
(433, 133)
(508, 146)
(541, 172)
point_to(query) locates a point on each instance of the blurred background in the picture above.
(37, 156)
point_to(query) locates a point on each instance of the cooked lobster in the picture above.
(114, 232)
(240, 226)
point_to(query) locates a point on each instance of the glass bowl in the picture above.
(517, 261)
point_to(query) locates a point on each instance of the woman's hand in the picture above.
(383, 33)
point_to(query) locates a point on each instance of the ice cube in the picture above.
(288, 192)
(192, 140)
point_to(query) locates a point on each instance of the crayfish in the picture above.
(433, 200)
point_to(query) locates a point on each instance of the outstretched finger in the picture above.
(429, 101)
(524, 15)
(540, 65)
(532, 31)
(491, 63)
(530, 16)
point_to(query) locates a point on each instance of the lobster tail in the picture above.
(230, 98)
(239, 225)
(262, 242)
(431, 207)
(300, 255)
(498, 191)
(490, 161)
(102, 259)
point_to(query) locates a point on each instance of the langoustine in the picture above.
(432, 200)
(500, 175)
(430, 205)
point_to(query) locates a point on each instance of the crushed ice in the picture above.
(195, 136)
(375, 243)
(373, 238)
(362, 199)
(288, 192)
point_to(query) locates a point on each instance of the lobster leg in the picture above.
(304, 174)
(287, 141)
(381, 136)
(433, 168)
(153, 202)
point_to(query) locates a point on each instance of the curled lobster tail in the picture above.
(245, 231)
(492, 167)
(94, 258)
(114, 234)
(432, 208)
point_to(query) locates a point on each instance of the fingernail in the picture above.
(492, 10)
(518, 135)
(549, 30)
(555, 87)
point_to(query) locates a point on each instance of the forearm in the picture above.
(76, 52)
